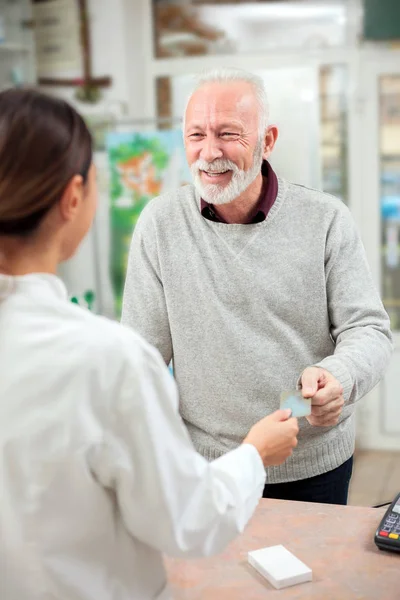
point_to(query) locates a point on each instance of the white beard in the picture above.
(217, 194)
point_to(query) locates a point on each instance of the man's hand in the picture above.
(326, 395)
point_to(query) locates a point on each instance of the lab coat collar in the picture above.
(42, 283)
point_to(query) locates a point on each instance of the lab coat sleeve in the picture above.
(169, 496)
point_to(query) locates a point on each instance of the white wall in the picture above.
(294, 108)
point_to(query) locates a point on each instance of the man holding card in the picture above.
(257, 288)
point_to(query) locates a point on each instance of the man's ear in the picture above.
(271, 135)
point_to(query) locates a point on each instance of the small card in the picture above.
(300, 407)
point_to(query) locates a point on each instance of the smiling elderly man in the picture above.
(249, 282)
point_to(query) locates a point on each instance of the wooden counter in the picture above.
(336, 542)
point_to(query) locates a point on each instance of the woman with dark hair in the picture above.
(98, 476)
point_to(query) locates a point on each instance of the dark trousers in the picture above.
(328, 488)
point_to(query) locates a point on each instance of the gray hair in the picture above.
(225, 75)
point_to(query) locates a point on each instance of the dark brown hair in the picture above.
(44, 142)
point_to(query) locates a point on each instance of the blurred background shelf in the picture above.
(10, 47)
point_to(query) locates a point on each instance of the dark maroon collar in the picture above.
(265, 203)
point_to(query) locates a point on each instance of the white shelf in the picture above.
(183, 65)
(10, 47)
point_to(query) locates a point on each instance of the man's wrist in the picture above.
(335, 367)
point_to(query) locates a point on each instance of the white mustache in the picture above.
(217, 166)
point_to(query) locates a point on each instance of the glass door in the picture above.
(389, 181)
(380, 173)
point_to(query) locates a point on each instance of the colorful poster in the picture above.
(142, 166)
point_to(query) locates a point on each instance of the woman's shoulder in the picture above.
(121, 365)
(108, 342)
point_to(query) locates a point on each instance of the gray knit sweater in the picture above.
(243, 309)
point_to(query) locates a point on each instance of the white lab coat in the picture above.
(98, 476)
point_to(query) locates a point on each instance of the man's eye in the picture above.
(229, 134)
(195, 135)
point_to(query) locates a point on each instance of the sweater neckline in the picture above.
(282, 186)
